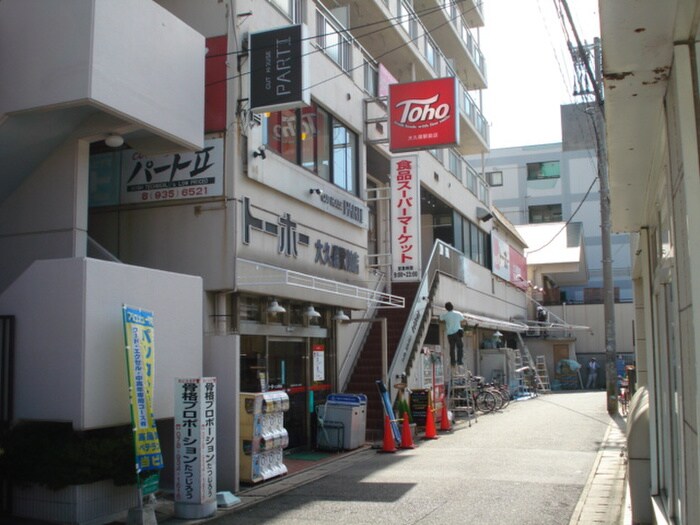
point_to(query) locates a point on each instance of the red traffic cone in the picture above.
(388, 445)
(406, 439)
(445, 417)
(430, 432)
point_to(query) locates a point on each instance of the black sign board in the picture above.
(420, 404)
(276, 70)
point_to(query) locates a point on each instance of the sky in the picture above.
(529, 68)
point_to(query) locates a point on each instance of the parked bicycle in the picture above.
(623, 398)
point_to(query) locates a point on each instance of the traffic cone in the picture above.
(406, 439)
(430, 432)
(388, 445)
(445, 418)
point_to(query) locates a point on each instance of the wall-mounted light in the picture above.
(275, 308)
(483, 214)
(114, 140)
(260, 152)
(317, 191)
(340, 316)
(311, 313)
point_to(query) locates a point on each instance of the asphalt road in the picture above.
(525, 465)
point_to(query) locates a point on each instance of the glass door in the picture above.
(288, 370)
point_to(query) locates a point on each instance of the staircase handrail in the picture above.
(359, 338)
(443, 259)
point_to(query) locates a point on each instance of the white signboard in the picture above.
(184, 175)
(405, 219)
(195, 447)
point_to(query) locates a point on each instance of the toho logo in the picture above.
(421, 113)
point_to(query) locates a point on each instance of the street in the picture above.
(525, 465)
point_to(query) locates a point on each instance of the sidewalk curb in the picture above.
(604, 496)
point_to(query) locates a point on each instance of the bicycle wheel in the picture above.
(497, 397)
(505, 394)
(485, 402)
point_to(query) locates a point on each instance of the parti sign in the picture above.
(278, 69)
(423, 115)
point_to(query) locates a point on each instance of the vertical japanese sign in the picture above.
(138, 338)
(405, 219)
(319, 362)
(195, 447)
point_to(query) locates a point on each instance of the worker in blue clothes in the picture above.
(453, 326)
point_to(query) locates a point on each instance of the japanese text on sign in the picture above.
(184, 175)
(405, 214)
(195, 440)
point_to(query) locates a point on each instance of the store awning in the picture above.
(493, 324)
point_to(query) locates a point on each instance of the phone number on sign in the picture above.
(172, 193)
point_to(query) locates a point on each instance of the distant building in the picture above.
(550, 192)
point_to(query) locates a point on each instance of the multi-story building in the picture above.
(651, 111)
(551, 193)
(150, 164)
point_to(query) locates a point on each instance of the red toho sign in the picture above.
(423, 115)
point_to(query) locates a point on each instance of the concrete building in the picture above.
(148, 164)
(651, 109)
(551, 193)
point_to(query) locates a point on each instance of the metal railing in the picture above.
(267, 275)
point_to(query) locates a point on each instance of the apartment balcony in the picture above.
(407, 46)
(80, 70)
(454, 35)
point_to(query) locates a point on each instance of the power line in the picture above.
(386, 24)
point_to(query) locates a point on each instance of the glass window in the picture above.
(314, 139)
(280, 133)
(289, 8)
(494, 178)
(543, 170)
(473, 242)
(455, 165)
(344, 157)
(544, 213)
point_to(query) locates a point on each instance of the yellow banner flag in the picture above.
(138, 337)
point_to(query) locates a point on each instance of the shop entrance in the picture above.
(287, 366)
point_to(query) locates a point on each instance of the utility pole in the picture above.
(581, 59)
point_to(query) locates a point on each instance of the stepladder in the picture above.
(541, 374)
(460, 394)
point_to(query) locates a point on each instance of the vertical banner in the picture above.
(319, 367)
(405, 219)
(195, 447)
(138, 339)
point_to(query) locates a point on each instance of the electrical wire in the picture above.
(411, 16)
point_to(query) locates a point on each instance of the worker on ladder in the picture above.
(453, 326)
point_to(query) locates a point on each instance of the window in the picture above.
(455, 165)
(494, 178)
(544, 213)
(371, 77)
(543, 170)
(311, 137)
(407, 18)
(431, 54)
(291, 8)
(334, 42)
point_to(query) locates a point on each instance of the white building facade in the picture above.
(247, 227)
(551, 192)
(651, 106)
